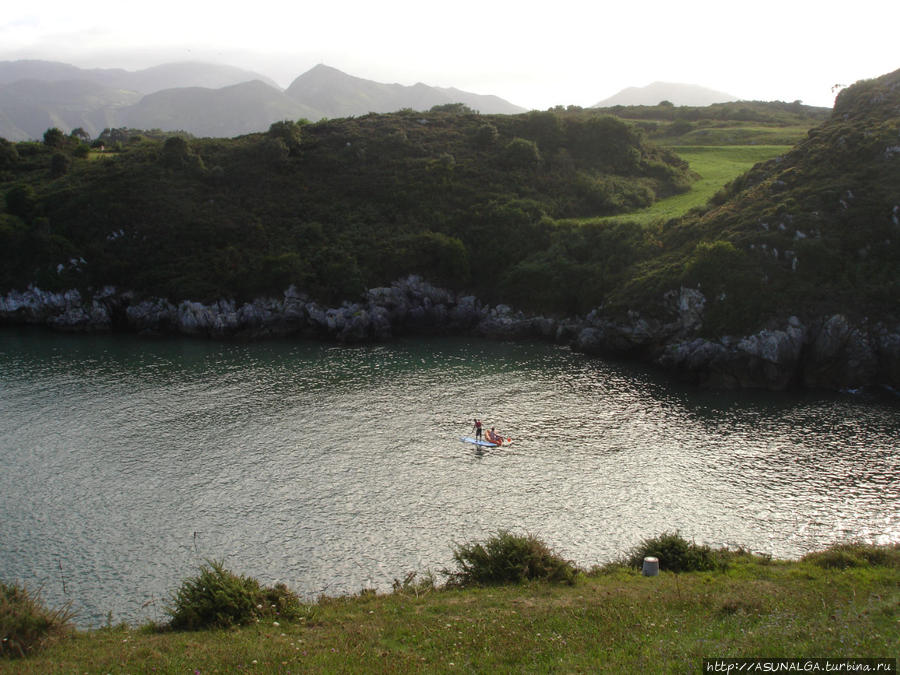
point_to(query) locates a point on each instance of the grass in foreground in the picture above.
(614, 620)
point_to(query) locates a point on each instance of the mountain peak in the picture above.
(674, 92)
(338, 94)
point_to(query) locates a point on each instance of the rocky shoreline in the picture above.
(831, 353)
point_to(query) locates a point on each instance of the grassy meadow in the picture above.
(716, 165)
(740, 134)
(614, 621)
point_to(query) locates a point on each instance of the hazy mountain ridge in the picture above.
(202, 99)
(338, 94)
(676, 93)
(230, 111)
(30, 107)
(144, 81)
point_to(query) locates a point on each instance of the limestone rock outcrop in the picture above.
(831, 353)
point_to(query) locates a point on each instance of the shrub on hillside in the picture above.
(522, 153)
(675, 554)
(218, 598)
(60, 163)
(843, 556)
(26, 624)
(508, 558)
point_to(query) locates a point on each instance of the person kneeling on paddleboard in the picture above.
(477, 428)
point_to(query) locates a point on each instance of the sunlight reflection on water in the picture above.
(125, 462)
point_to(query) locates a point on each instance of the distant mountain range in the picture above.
(207, 99)
(674, 93)
(337, 94)
(200, 98)
(147, 81)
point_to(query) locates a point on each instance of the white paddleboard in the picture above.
(476, 442)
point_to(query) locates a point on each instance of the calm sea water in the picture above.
(125, 462)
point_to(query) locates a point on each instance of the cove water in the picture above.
(126, 462)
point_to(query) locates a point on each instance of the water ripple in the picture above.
(125, 462)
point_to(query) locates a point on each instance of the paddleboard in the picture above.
(476, 442)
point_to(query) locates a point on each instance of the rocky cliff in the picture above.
(832, 353)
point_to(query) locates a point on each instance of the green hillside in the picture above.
(714, 165)
(509, 208)
(811, 232)
(333, 207)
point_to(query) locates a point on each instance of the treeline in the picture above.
(469, 201)
(668, 123)
(767, 112)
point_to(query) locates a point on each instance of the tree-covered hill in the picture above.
(332, 207)
(489, 205)
(811, 233)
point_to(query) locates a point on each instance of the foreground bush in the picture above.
(218, 598)
(843, 556)
(26, 624)
(506, 557)
(676, 554)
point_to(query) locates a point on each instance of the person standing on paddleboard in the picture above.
(477, 428)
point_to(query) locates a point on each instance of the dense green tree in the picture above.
(80, 134)
(486, 135)
(22, 201)
(457, 108)
(545, 128)
(604, 141)
(8, 154)
(54, 138)
(288, 132)
(178, 154)
(522, 153)
(59, 164)
(435, 256)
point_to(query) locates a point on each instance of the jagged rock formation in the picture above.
(832, 354)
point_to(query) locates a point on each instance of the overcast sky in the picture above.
(534, 55)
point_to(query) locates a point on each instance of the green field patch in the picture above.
(716, 165)
(739, 135)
